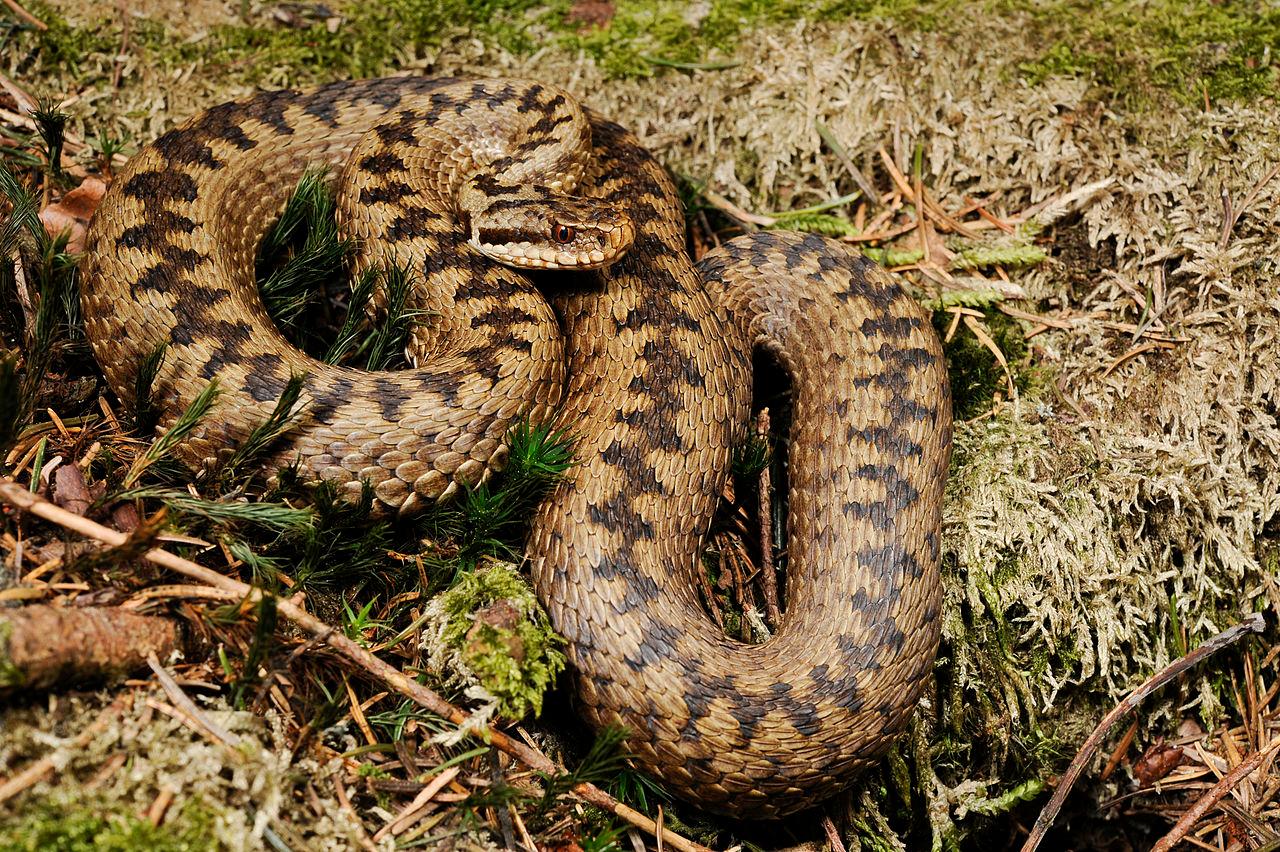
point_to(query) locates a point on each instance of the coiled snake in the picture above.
(646, 360)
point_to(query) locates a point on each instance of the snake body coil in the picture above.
(646, 360)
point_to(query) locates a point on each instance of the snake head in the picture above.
(537, 229)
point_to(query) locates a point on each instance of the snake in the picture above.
(554, 282)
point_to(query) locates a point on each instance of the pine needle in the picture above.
(276, 517)
(387, 342)
(145, 413)
(604, 760)
(344, 342)
(489, 520)
(182, 427)
(303, 250)
(51, 124)
(282, 418)
(23, 216)
(11, 407)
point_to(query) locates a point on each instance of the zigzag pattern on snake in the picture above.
(646, 360)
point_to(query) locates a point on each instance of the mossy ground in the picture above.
(90, 826)
(1115, 512)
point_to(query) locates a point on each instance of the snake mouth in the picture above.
(527, 255)
(602, 249)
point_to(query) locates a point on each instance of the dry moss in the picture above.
(222, 800)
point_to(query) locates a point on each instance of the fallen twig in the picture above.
(833, 836)
(45, 646)
(1231, 214)
(1134, 353)
(417, 808)
(184, 703)
(1253, 624)
(14, 494)
(344, 801)
(725, 205)
(868, 189)
(768, 577)
(1215, 794)
(26, 16)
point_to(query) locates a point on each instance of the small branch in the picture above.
(184, 703)
(417, 808)
(26, 16)
(345, 803)
(1134, 353)
(1253, 624)
(768, 577)
(48, 646)
(726, 206)
(868, 189)
(1215, 794)
(833, 836)
(14, 494)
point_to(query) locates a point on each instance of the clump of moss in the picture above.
(490, 631)
(367, 39)
(105, 827)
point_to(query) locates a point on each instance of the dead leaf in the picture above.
(1156, 762)
(70, 491)
(1189, 728)
(591, 14)
(73, 212)
(125, 517)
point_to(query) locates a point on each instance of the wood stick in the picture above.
(26, 16)
(1215, 794)
(768, 577)
(49, 646)
(14, 494)
(1253, 624)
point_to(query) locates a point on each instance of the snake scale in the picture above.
(642, 355)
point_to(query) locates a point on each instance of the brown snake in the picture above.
(646, 360)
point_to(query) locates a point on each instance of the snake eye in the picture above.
(562, 233)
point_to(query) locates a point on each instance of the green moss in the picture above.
(646, 35)
(10, 674)
(63, 46)
(1228, 49)
(502, 635)
(96, 827)
(369, 38)
(976, 376)
(1187, 48)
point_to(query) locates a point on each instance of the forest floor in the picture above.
(1098, 237)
